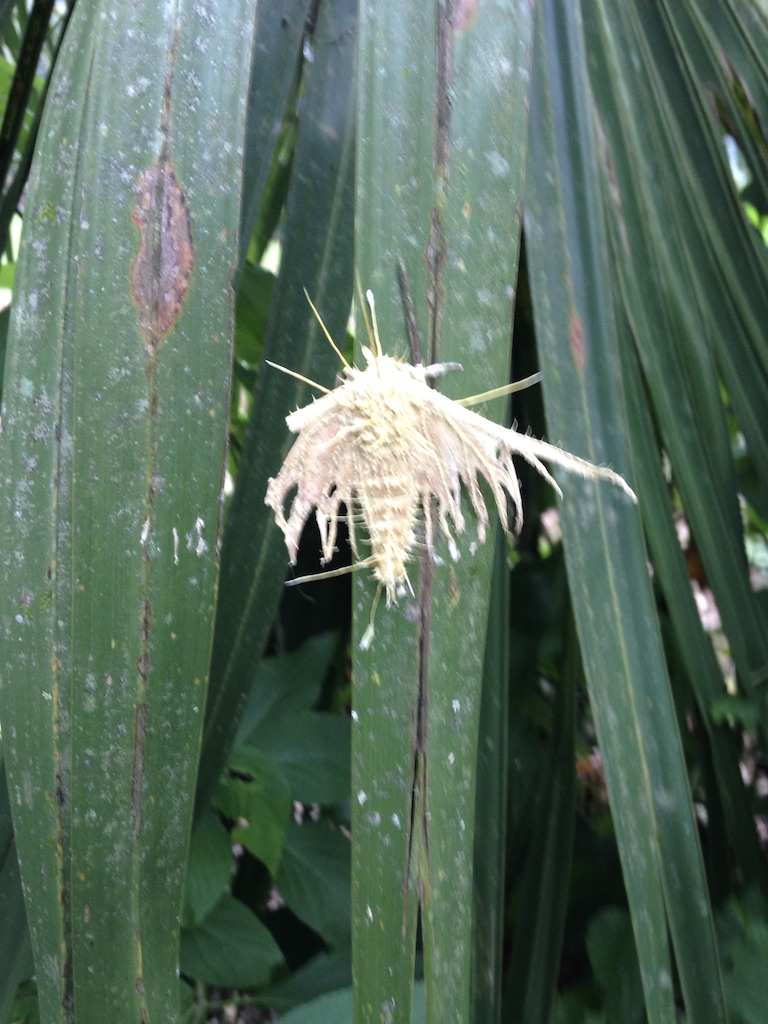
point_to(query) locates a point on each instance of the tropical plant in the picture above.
(541, 787)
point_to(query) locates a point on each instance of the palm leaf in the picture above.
(110, 504)
(450, 194)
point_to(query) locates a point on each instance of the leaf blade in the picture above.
(453, 197)
(124, 415)
(631, 699)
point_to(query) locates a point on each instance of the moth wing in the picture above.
(318, 466)
(533, 450)
(469, 446)
(318, 409)
(459, 446)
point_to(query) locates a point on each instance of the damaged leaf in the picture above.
(163, 265)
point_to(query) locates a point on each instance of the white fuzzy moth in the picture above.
(388, 443)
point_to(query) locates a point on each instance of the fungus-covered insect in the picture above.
(387, 443)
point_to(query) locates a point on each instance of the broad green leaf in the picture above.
(326, 972)
(231, 948)
(209, 868)
(285, 686)
(613, 957)
(24, 1008)
(336, 1008)
(743, 932)
(257, 797)
(313, 750)
(254, 296)
(114, 422)
(314, 878)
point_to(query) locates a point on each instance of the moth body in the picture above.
(365, 436)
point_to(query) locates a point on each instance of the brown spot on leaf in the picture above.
(464, 12)
(146, 623)
(576, 340)
(137, 775)
(163, 265)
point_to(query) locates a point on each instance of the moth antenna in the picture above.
(377, 340)
(410, 314)
(326, 332)
(298, 376)
(366, 318)
(507, 389)
(329, 573)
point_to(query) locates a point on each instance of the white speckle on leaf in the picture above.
(498, 164)
(195, 540)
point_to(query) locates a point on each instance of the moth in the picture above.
(387, 443)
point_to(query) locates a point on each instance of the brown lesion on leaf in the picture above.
(137, 775)
(163, 265)
(146, 630)
(576, 340)
(463, 14)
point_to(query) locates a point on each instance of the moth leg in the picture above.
(435, 370)
(429, 533)
(344, 570)
(367, 638)
(351, 528)
(322, 525)
(506, 389)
